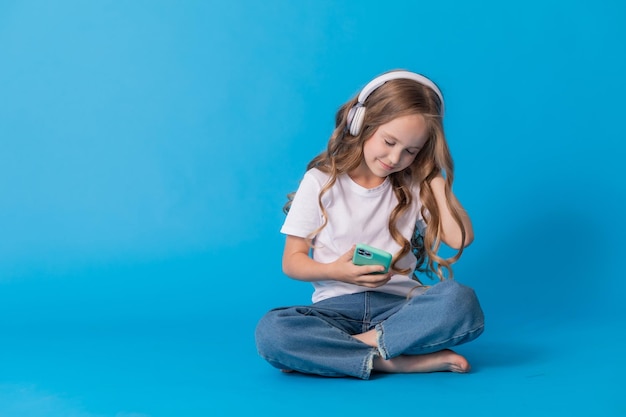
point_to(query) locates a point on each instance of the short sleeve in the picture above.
(304, 215)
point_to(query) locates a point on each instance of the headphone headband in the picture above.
(356, 113)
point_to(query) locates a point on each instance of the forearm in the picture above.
(451, 231)
(301, 267)
(298, 265)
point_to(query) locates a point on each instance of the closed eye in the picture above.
(392, 144)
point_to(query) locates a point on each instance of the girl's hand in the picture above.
(298, 265)
(345, 271)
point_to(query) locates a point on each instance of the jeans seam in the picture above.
(272, 360)
(385, 354)
(456, 337)
(368, 364)
(366, 312)
(380, 344)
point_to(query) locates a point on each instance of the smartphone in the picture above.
(368, 255)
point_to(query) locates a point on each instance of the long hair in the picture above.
(344, 153)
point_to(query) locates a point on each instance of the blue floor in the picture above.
(170, 348)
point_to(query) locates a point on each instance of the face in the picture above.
(394, 146)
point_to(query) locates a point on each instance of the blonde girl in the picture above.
(385, 179)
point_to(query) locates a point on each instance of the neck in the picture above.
(365, 178)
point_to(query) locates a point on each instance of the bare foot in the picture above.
(442, 361)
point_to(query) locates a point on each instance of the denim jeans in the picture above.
(317, 339)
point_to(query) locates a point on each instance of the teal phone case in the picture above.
(368, 255)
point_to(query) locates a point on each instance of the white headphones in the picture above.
(357, 112)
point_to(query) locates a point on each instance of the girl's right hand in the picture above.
(345, 271)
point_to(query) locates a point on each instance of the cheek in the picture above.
(371, 149)
(408, 160)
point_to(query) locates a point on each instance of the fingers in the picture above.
(370, 282)
(373, 280)
(372, 269)
(370, 276)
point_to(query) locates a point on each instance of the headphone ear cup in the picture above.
(357, 120)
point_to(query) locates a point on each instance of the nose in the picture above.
(394, 157)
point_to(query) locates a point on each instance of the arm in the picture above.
(451, 232)
(297, 264)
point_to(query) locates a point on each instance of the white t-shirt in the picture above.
(355, 215)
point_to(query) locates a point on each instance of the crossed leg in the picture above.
(443, 360)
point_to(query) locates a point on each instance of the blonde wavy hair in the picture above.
(344, 153)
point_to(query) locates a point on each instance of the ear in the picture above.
(355, 119)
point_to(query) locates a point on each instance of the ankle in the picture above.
(369, 338)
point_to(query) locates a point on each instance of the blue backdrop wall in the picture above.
(147, 148)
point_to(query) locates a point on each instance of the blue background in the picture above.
(147, 148)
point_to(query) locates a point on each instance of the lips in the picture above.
(385, 166)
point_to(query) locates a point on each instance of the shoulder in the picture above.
(314, 179)
(315, 175)
(415, 191)
(311, 184)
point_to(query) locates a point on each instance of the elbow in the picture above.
(289, 268)
(458, 242)
(286, 269)
(468, 240)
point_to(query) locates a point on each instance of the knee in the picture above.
(274, 332)
(265, 334)
(462, 301)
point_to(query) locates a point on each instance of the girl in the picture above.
(385, 179)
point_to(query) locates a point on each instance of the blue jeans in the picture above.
(317, 339)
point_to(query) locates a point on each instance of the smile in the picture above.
(385, 166)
